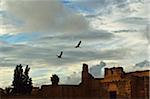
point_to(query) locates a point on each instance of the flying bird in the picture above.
(60, 56)
(78, 45)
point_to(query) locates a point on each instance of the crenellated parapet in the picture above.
(115, 73)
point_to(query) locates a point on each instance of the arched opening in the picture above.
(112, 95)
(112, 91)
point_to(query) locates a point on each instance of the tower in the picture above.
(86, 76)
(115, 73)
(85, 73)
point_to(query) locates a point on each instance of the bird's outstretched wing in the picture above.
(61, 53)
(78, 45)
(59, 56)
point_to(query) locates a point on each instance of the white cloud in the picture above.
(45, 16)
(59, 28)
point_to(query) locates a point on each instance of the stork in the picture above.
(78, 45)
(60, 56)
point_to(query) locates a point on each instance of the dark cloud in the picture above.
(21, 53)
(124, 31)
(134, 20)
(89, 35)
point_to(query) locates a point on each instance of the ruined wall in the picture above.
(122, 88)
(140, 87)
(133, 85)
(139, 73)
(126, 85)
(88, 88)
(67, 92)
(139, 84)
(113, 74)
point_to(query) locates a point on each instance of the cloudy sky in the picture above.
(33, 32)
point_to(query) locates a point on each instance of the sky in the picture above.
(33, 32)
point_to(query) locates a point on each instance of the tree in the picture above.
(54, 79)
(22, 84)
